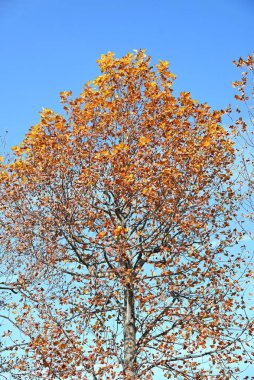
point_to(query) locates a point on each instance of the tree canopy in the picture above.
(116, 233)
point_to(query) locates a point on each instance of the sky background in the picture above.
(48, 46)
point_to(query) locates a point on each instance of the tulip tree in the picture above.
(116, 221)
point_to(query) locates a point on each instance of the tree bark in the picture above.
(130, 335)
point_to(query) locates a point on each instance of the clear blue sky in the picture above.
(48, 46)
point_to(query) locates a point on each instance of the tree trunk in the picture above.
(129, 335)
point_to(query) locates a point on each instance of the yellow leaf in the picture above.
(102, 234)
(206, 141)
(120, 147)
(17, 150)
(144, 140)
(118, 230)
(147, 190)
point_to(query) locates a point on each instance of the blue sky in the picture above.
(48, 46)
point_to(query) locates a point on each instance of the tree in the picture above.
(116, 229)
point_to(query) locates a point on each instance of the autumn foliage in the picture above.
(116, 228)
